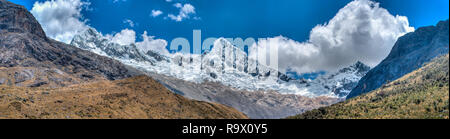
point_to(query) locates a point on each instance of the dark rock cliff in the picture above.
(409, 53)
(23, 44)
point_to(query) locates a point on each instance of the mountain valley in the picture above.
(43, 78)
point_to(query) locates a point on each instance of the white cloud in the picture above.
(124, 37)
(360, 31)
(61, 19)
(156, 13)
(129, 22)
(128, 36)
(149, 43)
(178, 5)
(168, 0)
(186, 11)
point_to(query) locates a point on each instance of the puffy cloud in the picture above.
(185, 11)
(289, 53)
(156, 13)
(124, 37)
(61, 19)
(149, 43)
(361, 31)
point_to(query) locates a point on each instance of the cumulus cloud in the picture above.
(61, 19)
(186, 11)
(156, 13)
(124, 37)
(150, 43)
(361, 31)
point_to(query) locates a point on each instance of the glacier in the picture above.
(225, 64)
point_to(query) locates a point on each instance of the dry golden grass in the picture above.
(138, 97)
(421, 94)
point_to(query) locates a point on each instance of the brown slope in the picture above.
(137, 97)
(421, 94)
(43, 78)
(23, 45)
(255, 104)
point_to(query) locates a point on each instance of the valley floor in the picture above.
(138, 97)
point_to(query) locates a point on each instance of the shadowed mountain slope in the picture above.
(43, 78)
(409, 53)
(420, 94)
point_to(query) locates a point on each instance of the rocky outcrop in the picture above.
(43, 78)
(15, 18)
(91, 37)
(421, 94)
(409, 53)
(23, 44)
(342, 81)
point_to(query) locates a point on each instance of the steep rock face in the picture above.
(43, 78)
(95, 42)
(15, 18)
(421, 94)
(24, 44)
(409, 53)
(343, 81)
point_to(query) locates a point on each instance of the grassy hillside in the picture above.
(421, 94)
(138, 97)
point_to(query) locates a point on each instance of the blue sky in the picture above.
(310, 35)
(241, 18)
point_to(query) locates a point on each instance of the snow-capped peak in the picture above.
(342, 81)
(358, 68)
(224, 63)
(94, 41)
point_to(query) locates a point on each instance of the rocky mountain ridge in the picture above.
(224, 63)
(43, 78)
(421, 94)
(225, 75)
(409, 53)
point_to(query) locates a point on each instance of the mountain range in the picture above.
(95, 77)
(409, 53)
(44, 78)
(224, 63)
(411, 82)
(243, 82)
(421, 94)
